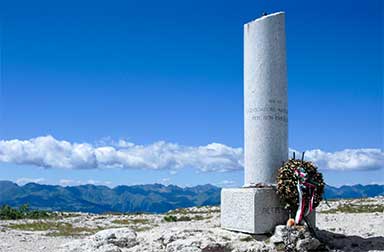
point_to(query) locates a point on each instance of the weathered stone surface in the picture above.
(265, 98)
(184, 246)
(109, 240)
(277, 237)
(307, 244)
(296, 238)
(251, 210)
(120, 237)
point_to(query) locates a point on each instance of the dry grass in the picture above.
(173, 218)
(55, 228)
(354, 208)
(131, 221)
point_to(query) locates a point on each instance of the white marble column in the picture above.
(265, 98)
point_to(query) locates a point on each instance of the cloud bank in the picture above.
(348, 159)
(48, 152)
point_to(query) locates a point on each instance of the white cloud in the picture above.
(226, 183)
(98, 182)
(348, 159)
(165, 181)
(48, 152)
(71, 182)
(23, 181)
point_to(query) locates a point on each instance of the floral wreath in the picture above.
(300, 187)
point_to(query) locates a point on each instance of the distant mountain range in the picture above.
(153, 198)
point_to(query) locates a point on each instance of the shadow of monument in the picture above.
(350, 242)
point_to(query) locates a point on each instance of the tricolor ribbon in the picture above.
(303, 184)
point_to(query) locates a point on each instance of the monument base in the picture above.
(253, 210)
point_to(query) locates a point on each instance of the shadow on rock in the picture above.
(350, 243)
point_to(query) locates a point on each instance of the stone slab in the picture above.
(254, 210)
(251, 210)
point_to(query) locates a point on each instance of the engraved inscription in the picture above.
(273, 110)
(271, 210)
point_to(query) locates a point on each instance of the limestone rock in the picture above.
(216, 247)
(184, 246)
(120, 237)
(109, 240)
(108, 248)
(307, 244)
(277, 237)
(296, 238)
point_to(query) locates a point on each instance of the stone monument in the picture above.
(255, 208)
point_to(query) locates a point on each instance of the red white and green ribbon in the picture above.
(305, 204)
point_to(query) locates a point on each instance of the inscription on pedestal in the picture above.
(270, 210)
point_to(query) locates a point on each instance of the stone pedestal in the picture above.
(251, 210)
(254, 210)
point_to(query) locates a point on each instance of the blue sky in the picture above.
(147, 71)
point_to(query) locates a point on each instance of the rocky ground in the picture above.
(345, 225)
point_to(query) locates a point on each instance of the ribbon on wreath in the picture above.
(305, 200)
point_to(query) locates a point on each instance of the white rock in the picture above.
(120, 237)
(108, 248)
(277, 237)
(184, 246)
(307, 244)
(109, 240)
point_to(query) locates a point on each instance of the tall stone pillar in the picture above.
(255, 208)
(265, 99)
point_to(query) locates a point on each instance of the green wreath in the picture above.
(287, 180)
